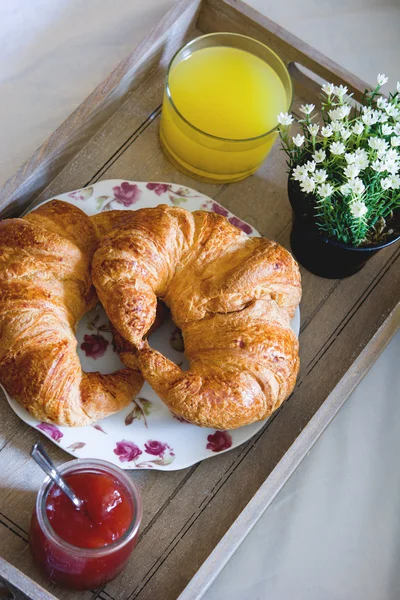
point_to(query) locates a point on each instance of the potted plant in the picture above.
(344, 179)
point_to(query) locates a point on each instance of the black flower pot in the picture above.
(317, 253)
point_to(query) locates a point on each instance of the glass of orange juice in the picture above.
(222, 96)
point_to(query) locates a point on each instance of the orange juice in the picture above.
(222, 102)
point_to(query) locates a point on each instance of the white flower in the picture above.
(337, 148)
(383, 118)
(356, 186)
(395, 141)
(313, 129)
(325, 190)
(362, 161)
(319, 156)
(358, 128)
(392, 166)
(398, 86)
(382, 102)
(378, 144)
(345, 133)
(299, 173)
(350, 158)
(392, 154)
(335, 114)
(336, 126)
(358, 209)
(320, 176)
(386, 183)
(351, 171)
(345, 110)
(285, 119)
(310, 166)
(298, 140)
(395, 182)
(345, 189)
(391, 160)
(381, 153)
(340, 90)
(341, 112)
(382, 79)
(308, 185)
(371, 117)
(307, 108)
(378, 166)
(360, 152)
(326, 131)
(328, 88)
(392, 111)
(387, 129)
(396, 128)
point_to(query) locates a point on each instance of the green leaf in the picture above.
(100, 201)
(176, 340)
(162, 462)
(86, 193)
(177, 201)
(147, 406)
(135, 413)
(183, 192)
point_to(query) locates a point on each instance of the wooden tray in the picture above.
(345, 324)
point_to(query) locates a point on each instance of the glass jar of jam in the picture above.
(85, 548)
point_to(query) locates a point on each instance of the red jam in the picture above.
(106, 514)
(79, 549)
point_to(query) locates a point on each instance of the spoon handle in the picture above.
(43, 460)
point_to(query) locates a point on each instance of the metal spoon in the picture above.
(39, 454)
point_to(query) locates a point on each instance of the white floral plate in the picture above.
(145, 435)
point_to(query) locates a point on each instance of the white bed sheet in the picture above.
(333, 532)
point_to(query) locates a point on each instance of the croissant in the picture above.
(232, 296)
(45, 289)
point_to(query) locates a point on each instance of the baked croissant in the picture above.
(232, 296)
(45, 289)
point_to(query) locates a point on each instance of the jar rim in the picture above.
(205, 133)
(90, 465)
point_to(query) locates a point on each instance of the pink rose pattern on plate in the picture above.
(51, 430)
(177, 196)
(94, 345)
(218, 441)
(127, 451)
(158, 188)
(127, 193)
(220, 210)
(158, 448)
(240, 224)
